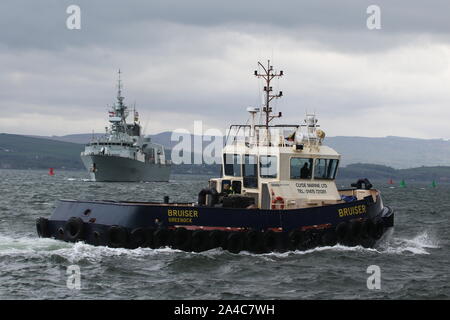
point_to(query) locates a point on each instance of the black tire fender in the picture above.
(367, 229)
(235, 242)
(42, 227)
(329, 238)
(253, 241)
(117, 237)
(216, 239)
(378, 229)
(137, 237)
(342, 230)
(73, 229)
(161, 238)
(355, 229)
(181, 239)
(295, 238)
(200, 240)
(149, 242)
(270, 240)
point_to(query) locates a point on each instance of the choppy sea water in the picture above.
(414, 260)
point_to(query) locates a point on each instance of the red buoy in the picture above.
(50, 172)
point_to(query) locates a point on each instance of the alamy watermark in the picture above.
(73, 281)
(374, 280)
(73, 21)
(206, 146)
(373, 22)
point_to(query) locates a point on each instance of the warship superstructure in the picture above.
(124, 153)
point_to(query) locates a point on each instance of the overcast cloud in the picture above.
(194, 60)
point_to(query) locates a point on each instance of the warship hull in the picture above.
(198, 228)
(120, 169)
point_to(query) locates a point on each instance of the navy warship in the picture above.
(276, 192)
(123, 153)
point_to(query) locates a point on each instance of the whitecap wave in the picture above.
(73, 252)
(416, 245)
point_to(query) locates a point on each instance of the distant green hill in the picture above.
(21, 152)
(374, 171)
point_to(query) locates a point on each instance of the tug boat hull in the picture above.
(192, 228)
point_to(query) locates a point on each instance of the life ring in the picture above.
(137, 237)
(117, 237)
(161, 238)
(253, 241)
(181, 239)
(73, 229)
(42, 227)
(278, 203)
(270, 240)
(216, 239)
(235, 242)
(200, 240)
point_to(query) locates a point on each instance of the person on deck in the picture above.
(227, 190)
(305, 173)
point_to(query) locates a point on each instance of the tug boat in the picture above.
(277, 192)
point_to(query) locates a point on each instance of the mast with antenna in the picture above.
(268, 75)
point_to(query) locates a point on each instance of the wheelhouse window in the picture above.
(325, 168)
(250, 171)
(232, 164)
(301, 168)
(268, 166)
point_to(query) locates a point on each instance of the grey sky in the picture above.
(193, 60)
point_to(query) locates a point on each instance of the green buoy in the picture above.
(402, 184)
(433, 184)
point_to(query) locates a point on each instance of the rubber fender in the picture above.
(295, 238)
(367, 229)
(329, 238)
(117, 237)
(73, 229)
(200, 240)
(217, 239)
(42, 227)
(342, 230)
(181, 239)
(235, 242)
(253, 241)
(149, 241)
(270, 241)
(310, 239)
(355, 229)
(378, 229)
(137, 236)
(161, 238)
